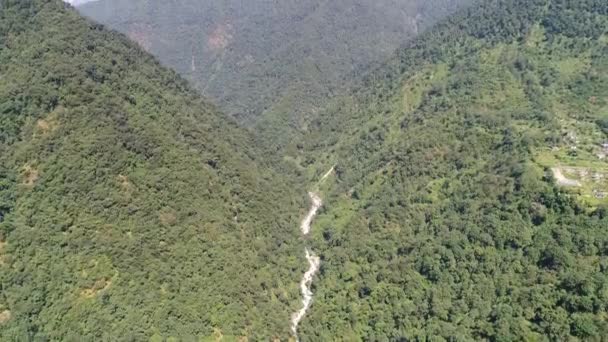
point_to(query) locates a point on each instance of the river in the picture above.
(314, 262)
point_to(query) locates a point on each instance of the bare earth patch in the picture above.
(30, 175)
(46, 126)
(50, 124)
(5, 316)
(221, 37)
(2, 257)
(562, 180)
(217, 334)
(124, 182)
(43, 126)
(100, 286)
(167, 217)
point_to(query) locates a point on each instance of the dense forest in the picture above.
(271, 64)
(469, 199)
(130, 209)
(448, 217)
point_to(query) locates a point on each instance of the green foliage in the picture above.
(444, 222)
(130, 208)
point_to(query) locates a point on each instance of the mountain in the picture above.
(130, 208)
(470, 195)
(468, 198)
(265, 62)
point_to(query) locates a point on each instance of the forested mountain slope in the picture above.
(130, 209)
(269, 62)
(447, 218)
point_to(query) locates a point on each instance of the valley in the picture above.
(313, 260)
(271, 65)
(394, 170)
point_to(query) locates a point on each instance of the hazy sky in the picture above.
(78, 2)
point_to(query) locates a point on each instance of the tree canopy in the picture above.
(446, 220)
(129, 207)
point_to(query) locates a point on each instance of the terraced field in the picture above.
(582, 169)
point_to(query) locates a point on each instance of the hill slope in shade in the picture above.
(444, 220)
(129, 207)
(274, 61)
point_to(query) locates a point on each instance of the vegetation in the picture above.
(466, 202)
(272, 64)
(445, 220)
(130, 209)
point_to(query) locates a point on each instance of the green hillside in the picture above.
(130, 209)
(270, 63)
(468, 201)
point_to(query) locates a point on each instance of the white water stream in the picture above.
(317, 202)
(314, 261)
